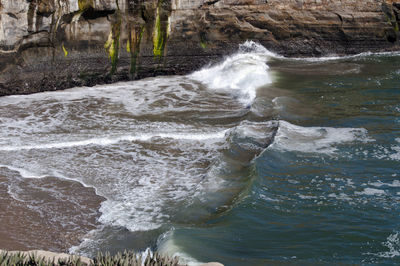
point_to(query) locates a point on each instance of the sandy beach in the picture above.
(38, 213)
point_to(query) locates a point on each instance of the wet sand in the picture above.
(47, 213)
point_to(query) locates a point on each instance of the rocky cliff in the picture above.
(55, 44)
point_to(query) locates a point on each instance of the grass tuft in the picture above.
(127, 258)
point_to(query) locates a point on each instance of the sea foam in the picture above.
(239, 74)
(114, 140)
(291, 137)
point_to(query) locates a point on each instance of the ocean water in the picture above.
(257, 160)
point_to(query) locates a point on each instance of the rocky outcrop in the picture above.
(55, 44)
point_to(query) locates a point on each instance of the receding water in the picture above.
(257, 160)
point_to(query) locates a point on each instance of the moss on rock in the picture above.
(64, 50)
(85, 4)
(158, 36)
(161, 28)
(112, 43)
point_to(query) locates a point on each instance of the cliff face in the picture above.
(55, 44)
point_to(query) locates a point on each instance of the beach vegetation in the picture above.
(120, 259)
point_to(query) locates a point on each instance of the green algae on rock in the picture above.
(85, 4)
(160, 34)
(112, 44)
(65, 51)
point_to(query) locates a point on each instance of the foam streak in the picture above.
(111, 141)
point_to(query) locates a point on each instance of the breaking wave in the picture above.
(240, 74)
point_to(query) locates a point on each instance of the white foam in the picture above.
(142, 186)
(240, 74)
(340, 196)
(138, 180)
(306, 196)
(23, 172)
(155, 96)
(396, 155)
(315, 139)
(339, 57)
(250, 46)
(113, 140)
(59, 175)
(371, 192)
(266, 198)
(393, 244)
(13, 194)
(395, 183)
(388, 152)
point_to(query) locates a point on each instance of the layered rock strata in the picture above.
(56, 44)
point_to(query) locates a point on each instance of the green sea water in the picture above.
(319, 196)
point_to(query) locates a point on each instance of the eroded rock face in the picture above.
(55, 44)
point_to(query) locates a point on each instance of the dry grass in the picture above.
(120, 259)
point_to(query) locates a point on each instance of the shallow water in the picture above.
(258, 160)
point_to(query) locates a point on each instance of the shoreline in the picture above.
(329, 56)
